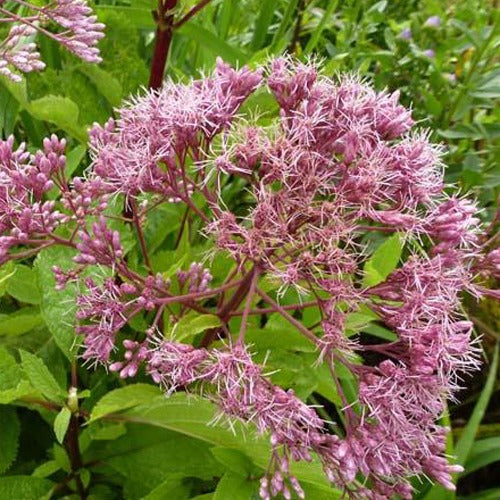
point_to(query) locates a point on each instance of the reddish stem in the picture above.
(248, 305)
(191, 13)
(163, 39)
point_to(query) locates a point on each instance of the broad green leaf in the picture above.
(6, 272)
(23, 285)
(24, 487)
(140, 17)
(20, 321)
(211, 41)
(107, 432)
(235, 487)
(491, 494)
(160, 222)
(73, 159)
(174, 487)
(466, 441)
(46, 469)
(12, 385)
(23, 388)
(189, 415)
(17, 89)
(9, 107)
(234, 460)
(61, 423)
(380, 332)
(57, 307)
(146, 456)
(106, 84)
(356, 321)
(61, 457)
(383, 261)
(40, 376)
(167, 263)
(10, 372)
(61, 111)
(9, 436)
(124, 398)
(482, 453)
(192, 324)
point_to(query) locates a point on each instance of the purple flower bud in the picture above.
(432, 22)
(406, 34)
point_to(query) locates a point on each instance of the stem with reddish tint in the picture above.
(163, 39)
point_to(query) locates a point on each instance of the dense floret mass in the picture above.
(341, 166)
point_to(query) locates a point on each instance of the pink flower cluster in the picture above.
(339, 165)
(25, 217)
(79, 32)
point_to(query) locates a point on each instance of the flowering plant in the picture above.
(295, 207)
(77, 30)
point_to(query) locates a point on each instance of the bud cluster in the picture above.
(78, 31)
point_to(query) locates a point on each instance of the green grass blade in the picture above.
(262, 24)
(483, 453)
(284, 25)
(316, 34)
(466, 441)
(224, 17)
(212, 42)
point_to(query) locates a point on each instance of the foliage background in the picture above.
(135, 443)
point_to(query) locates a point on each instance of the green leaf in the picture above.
(106, 84)
(57, 307)
(124, 398)
(61, 111)
(316, 34)
(61, 424)
(160, 222)
(9, 107)
(380, 332)
(262, 24)
(40, 376)
(234, 460)
(21, 321)
(10, 372)
(24, 487)
(173, 488)
(108, 432)
(491, 494)
(6, 272)
(9, 436)
(140, 17)
(73, 159)
(466, 441)
(23, 285)
(61, 457)
(235, 487)
(46, 469)
(286, 21)
(383, 261)
(146, 456)
(7, 396)
(192, 324)
(17, 89)
(12, 385)
(482, 453)
(189, 415)
(209, 40)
